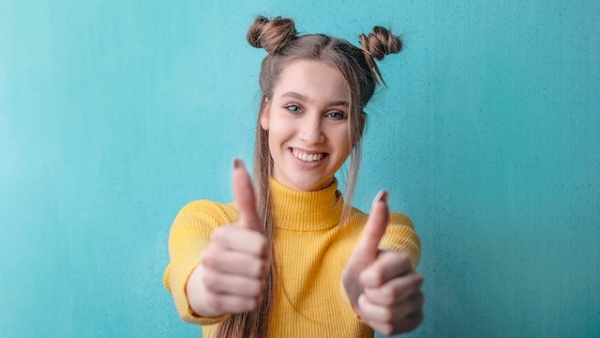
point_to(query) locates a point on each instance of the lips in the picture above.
(308, 157)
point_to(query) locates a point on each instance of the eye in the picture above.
(293, 109)
(337, 115)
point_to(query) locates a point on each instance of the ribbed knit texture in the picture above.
(311, 251)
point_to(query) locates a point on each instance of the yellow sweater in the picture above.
(311, 251)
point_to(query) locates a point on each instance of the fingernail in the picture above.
(237, 163)
(382, 196)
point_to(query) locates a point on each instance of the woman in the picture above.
(294, 258)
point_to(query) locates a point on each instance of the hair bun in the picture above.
(272, 35)
(380, 43)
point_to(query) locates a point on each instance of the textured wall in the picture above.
(113, 115)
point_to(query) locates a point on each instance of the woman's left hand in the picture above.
(382, 286)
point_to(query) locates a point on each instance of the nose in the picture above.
(311, 129)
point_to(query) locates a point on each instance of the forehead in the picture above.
(314, 79)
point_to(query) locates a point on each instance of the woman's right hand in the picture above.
(231, 276)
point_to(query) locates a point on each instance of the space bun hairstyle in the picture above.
(272, 35)
(379, 43)
(280, 39)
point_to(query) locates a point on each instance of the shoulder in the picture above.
(206, 211)
(396, 218)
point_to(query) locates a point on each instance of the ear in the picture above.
(265, 108)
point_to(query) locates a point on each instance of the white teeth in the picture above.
(307, 157)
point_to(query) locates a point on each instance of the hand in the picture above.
(231, 276)
(382, 285)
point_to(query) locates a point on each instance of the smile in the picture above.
(307, 157)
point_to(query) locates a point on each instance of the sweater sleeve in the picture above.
(401, 236)
(190, 235)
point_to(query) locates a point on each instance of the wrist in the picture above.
(196, 295)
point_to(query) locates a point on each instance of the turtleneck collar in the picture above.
(306, 210)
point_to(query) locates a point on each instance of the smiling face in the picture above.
(307, 122)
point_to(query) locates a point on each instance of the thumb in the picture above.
(244, 197)
(367, 248)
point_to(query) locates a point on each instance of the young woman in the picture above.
(293, 258)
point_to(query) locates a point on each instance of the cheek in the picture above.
(343, 142)
(279, 130)
(276, 137)
(347, 150)
(270, 142)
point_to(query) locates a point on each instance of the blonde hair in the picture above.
(357, 65)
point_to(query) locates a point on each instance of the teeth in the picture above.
(307, 157)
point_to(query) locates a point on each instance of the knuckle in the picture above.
(253, 267)
(209, 257)
(255, 288)
(214, 302)
(388, 300)
(256, 302)
(251, 288)
(210, 282)
(384, 296)
(411, 321)
(261, 269)
(220, 234)
(378, 274)
(405, 260)
(386, 316)
(262, 247)
(387, 294)
(206, 259)
(255, 272)
(419, 318)
(372, 276)
(250, 304)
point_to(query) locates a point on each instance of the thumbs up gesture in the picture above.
(382, 286)
(231, 276)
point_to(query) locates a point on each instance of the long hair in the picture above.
(281, 40)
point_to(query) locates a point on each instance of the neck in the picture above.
(306, 210)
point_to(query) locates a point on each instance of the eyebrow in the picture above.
(304, 98)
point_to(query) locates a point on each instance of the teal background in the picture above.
(114, 114)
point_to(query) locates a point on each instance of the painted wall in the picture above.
(113, 115)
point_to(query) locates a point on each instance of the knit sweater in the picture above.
(311, 250)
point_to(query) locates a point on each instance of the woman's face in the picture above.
(307, 121)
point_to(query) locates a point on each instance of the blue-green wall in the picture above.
(114, 114)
